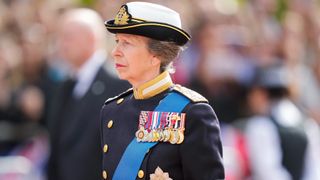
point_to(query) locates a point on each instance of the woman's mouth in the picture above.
(119, 65)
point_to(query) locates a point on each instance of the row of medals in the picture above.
(174, 136)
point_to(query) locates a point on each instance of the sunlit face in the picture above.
(133, 61)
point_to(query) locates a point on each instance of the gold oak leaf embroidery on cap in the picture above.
(123, 16)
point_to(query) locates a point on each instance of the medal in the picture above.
(166, 135)
(181, 137)
(140, 134)
(174, 137)
(181, 128)
(149, 137)
(155, 136)
(161, 135)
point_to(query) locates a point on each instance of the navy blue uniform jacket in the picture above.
(198, 157)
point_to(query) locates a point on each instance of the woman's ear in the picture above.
(155, 61)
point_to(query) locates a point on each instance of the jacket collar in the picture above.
(153, 87)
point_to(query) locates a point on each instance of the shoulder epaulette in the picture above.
(119, 96)
(190, 94)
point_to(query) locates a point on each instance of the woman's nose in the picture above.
(116, 52)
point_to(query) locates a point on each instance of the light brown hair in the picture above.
(167, 52)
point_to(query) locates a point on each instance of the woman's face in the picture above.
(133, 60)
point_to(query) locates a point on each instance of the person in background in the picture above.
(74, 116)
(156, 129)
(283, 143)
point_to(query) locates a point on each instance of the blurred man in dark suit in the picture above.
(74, 118)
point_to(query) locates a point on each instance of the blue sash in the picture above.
(133, 156)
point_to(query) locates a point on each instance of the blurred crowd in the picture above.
(256, 61)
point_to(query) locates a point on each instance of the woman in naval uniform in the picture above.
(156, 129)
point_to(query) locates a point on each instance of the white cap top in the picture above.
(154, 12)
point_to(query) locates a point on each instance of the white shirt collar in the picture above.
(87, 73)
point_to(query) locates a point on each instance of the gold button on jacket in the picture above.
(119, 101)
(140, 174)
(104, 175)
(105, 148)
(110, 124)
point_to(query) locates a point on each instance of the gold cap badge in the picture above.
(123, 16)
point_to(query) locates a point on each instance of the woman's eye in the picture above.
(122, 42)
(126, 42)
